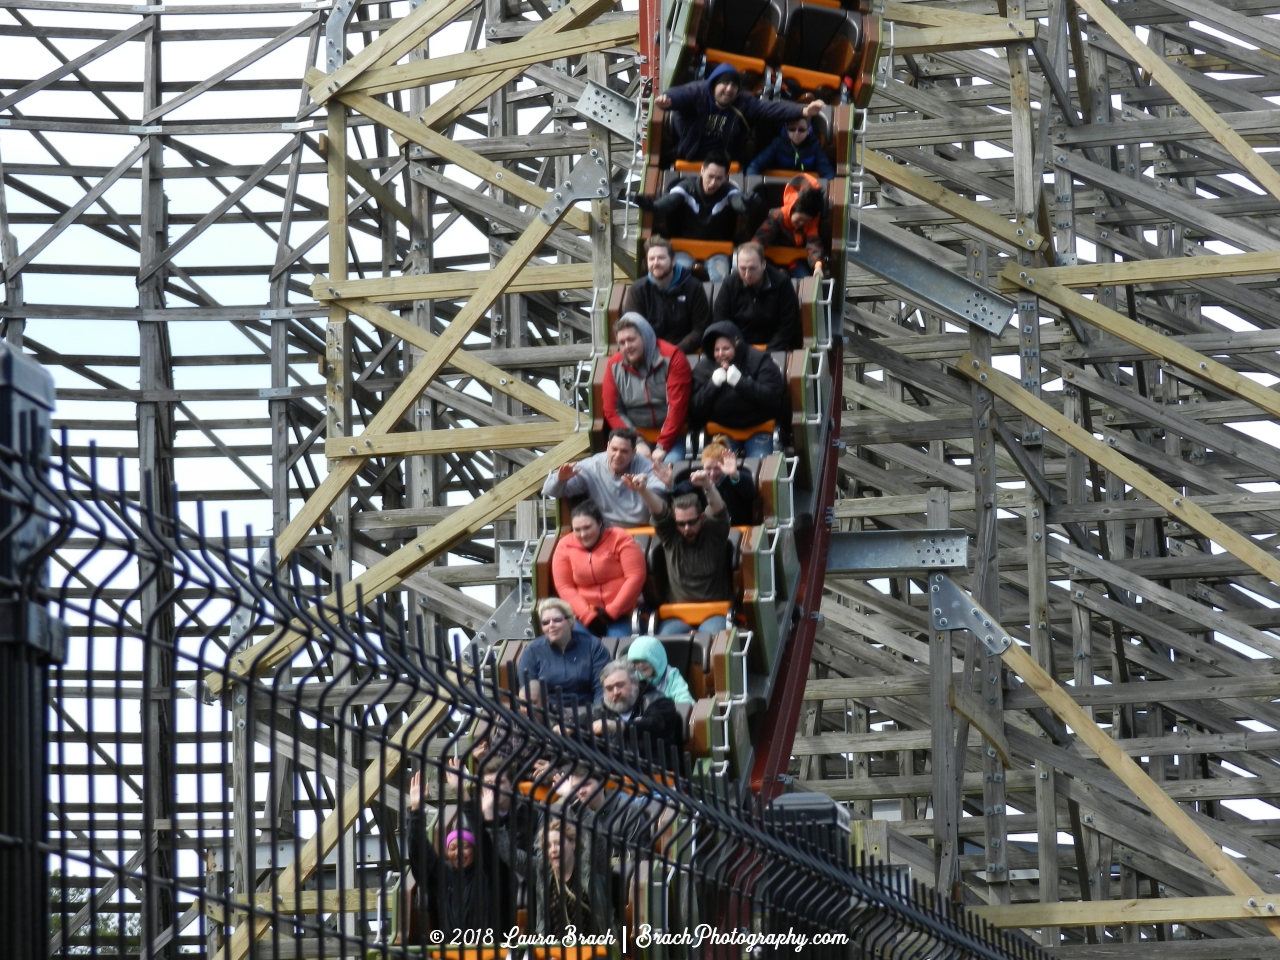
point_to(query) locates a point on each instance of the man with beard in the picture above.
(670, 297)
(631, 707)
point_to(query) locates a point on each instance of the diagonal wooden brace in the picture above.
(999, 643)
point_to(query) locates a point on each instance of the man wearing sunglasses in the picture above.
(694, 545)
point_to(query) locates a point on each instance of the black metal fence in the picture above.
(374, 793)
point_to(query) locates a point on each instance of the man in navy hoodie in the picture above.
(714, 114)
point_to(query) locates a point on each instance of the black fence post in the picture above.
(29, 642)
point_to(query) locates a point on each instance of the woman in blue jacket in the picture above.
(566, 657)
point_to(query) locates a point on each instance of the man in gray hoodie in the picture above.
(600, 477)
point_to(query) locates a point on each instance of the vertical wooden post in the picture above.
(946, 799)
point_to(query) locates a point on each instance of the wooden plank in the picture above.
(1143, 337)
(455, 152)
(904, 178)
(522, 53)
(1179, 269)
(1157, 910)
(1223, 867)
(1178, 505)
(420, 723)
(866, 688)
(467, 93)
(473, 366)
(917, 503)
(888, 788)
(412, 31)
(391, 571)
(1163, 73)
(996, 32)
(531, 435)
(456, 284)
(1153, 691)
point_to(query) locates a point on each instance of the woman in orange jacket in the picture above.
(600, 571)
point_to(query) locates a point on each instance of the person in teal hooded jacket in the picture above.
(650, 659)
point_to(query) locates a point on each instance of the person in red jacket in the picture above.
(796, 223)
(600, 572)
(647, 385)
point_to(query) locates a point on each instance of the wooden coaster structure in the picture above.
(1105, 165)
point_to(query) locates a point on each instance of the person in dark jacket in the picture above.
(760, 300)
(670, 297)
(796, 223)
(565, 657)
(796, 148)
(630, 707)
(457, 891)
(736, 486)
(736, 386)
(714, 114)
(702, 206)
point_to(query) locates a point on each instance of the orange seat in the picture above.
(639, 531)
(741, 63)
(811, 79)
(693, 166)
(650, 434)
(465, 953)
(701, 249)
(694, 613)
(570, 953)
(785, 256)
(742, 434)
(539, 791)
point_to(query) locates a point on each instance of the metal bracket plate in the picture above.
(882, 553)
(943, 290)
(610, 109)
(511, 620)
(953, 609)
(588, 180)
(515, 558)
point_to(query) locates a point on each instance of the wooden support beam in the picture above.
(457, 284)
(522, 53)
(996, 32)
(495, 173)
(1160, 910)
(390, 572)
(373, 187)
(471, 91)
(1164, 74)
(403, 742)
(493, 377)
(1170, 269)
(1178, 504)
(395, 406)
(904, 178)
(531, 435)
(412, 31)
(1223, 867)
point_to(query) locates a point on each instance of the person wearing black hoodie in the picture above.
(670, 297)
(714, 114)
(702, 206)
(736, 386)
(760, 300)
